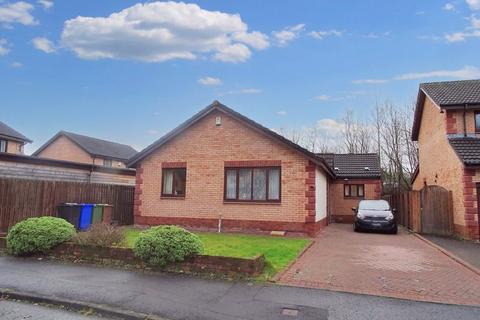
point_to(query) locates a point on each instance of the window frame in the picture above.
(6, 146)
(108, 160)
(166, 195)
(477, 125)
(267, 179)
(349, 185)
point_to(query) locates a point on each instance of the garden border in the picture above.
(125, 256)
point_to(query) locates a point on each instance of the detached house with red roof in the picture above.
(447, 128)
(220, 167)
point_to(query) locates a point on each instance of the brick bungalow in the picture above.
(447, 128)
(75, 147)
(221, 165)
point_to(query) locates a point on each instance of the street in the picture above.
(183, 297)
(13, 310)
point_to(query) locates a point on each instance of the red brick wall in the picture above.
(206, 149)
(63, 148)
(342, 207)
(471, 228)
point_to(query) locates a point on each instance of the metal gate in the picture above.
(436, 211)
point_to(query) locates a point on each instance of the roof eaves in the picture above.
(220, 107)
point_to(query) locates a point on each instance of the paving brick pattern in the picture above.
(399, 266)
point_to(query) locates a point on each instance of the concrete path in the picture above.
(10, 310)
(182, 297)
(466, 250)
(400, 266)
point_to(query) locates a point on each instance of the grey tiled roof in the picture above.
(468, 149)
(352, 165)
(453, 92)
(95, 147)
(6, 131)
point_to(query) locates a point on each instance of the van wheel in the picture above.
(395, 230)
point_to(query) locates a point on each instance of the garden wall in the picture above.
(125, 256)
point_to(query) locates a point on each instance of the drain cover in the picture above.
(289, 312)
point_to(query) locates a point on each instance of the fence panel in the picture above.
(428, 211)
(437, 213)
(21, 199)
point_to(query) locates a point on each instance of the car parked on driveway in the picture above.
(375, 215)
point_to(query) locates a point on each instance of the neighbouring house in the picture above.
(79, 148)
(221, 168)
(12, 141)
(357, 177)
(16, 166)
(447, 128)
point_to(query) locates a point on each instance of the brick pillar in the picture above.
(310, 198)
(470, 204)
(137, 203)
(451, 122)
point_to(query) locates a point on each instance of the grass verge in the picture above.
(278, 251)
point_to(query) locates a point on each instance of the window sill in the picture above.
(354, 198)
(253, 202)
(172, 198)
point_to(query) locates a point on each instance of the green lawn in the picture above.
(279, 252)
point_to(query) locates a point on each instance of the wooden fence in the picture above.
(21, 199)
(428, 211)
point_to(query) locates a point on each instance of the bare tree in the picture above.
(294, 135)
(357, 135)
(398, 153)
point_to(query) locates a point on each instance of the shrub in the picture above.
(159, 246)
(100, 235)
(38, 235)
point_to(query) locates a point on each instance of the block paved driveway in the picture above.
(400, 266)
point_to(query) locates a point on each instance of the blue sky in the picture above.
(132, 75)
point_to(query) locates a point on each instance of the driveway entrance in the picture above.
(400, 266)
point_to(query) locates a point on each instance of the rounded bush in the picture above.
(38, 235)
(159, 246)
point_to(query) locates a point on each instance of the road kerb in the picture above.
(103, 310)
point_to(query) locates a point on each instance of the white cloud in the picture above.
(449, 6)
(47, 4)
(283, 37)
(376, 35)
(333, 127)
(320, 34)
(43, 44)
(237, 52)
(474, 4)
(282, 113)
(210, 81)
(161, 31)
(467, 72)
(18, 12)
(369, 81)
(244, 91)
(322, 97)
(254, 39)
(4, 47)
(153, 132)
(471, 31)
(16, 64)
